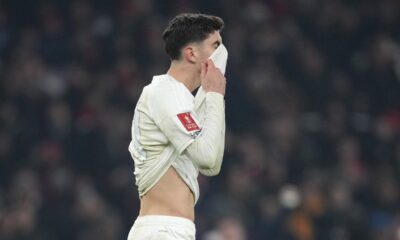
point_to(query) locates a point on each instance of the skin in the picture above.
(171, 196)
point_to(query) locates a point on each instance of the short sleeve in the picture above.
(173, 113)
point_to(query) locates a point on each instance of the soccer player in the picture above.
(176, 135)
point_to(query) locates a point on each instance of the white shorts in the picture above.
(157, 227)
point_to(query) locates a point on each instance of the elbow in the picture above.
(210, 172)
(207, 161)
(214, 173)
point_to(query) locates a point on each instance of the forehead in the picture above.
(214, 36)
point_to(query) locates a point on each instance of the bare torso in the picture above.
(170, 196)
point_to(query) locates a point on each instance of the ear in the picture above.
(189, 54)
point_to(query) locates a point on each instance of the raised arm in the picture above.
(178, 121)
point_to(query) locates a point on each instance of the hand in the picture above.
(212, 80)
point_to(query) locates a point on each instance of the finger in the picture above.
(210, 64)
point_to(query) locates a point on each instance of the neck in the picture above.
(185, 74)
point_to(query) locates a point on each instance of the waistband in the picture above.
(164, 221)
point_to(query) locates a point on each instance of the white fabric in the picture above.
(155, 227)
(213, 104)
(220, 57)
(160, 139)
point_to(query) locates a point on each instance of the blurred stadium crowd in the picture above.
(313, 118)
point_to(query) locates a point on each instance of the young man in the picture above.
(176, 135)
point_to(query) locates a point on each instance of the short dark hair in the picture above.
(189, 28)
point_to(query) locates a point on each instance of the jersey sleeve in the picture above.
(207, 149)
(174, 115)
(220, 143)
(176, 118)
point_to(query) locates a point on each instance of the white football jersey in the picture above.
(164, 125)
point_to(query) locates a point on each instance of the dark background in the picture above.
(313, 118)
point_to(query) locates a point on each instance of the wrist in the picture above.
(214, 96)
(214, 92)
